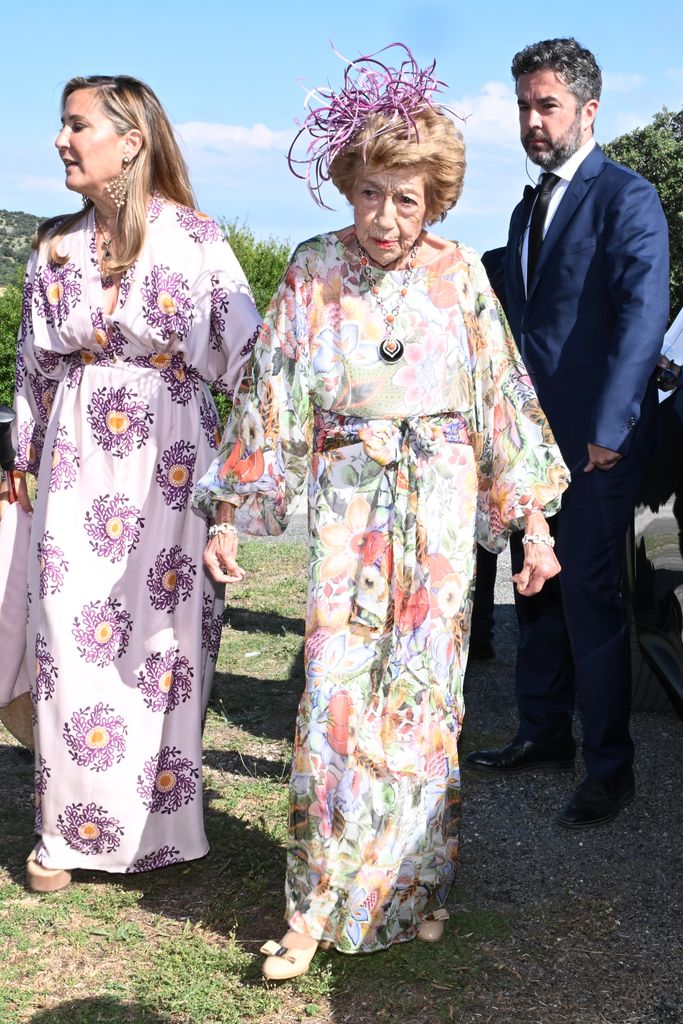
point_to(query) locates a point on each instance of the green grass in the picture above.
(180, 946)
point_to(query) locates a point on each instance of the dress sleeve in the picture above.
(233, 318)
(263, 460)
(521, 469)
(38, 372)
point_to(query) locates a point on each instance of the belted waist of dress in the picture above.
(384, 441)
(405, 448)
(163, 362)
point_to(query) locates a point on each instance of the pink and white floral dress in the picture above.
(115, 418)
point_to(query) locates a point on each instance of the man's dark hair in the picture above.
(574, 65)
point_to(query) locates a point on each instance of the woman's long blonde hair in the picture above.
(157, 167)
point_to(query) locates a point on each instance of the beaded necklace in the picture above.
(390, 349)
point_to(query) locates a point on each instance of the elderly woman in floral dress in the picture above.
(385, 382)
(131, 306)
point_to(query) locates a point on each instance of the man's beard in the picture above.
(559, 151)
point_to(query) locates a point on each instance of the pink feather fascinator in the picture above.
(370, 86)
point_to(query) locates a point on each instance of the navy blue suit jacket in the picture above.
(591, 327)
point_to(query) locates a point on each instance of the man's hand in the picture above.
(600, 458)
(668, 373)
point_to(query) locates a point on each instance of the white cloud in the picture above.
(626, 121)
(491, 116)
(225, 137)
(621, 82)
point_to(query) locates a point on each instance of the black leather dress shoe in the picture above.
(597, 800)
(523, 756)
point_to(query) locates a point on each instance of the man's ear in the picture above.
(588, 115)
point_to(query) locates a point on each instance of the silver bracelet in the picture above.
(222, 528)
(538, 538)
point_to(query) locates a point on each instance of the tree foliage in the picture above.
(656, 152)
(10, 316)
(16, 233)
(263, 262)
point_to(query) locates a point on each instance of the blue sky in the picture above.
(232, 76)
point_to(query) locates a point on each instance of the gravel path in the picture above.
(597, 933)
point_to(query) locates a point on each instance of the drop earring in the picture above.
(118, 186)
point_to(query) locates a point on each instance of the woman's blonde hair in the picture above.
(158, 166)
(435, 148)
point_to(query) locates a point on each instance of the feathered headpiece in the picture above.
(369, 87)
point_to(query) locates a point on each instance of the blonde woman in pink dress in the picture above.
(386, 385)
(132, 306)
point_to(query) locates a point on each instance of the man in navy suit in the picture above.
(588, 319)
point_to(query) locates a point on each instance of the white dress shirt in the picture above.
(565, 173)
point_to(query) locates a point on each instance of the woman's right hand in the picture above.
(220, 554)
(20, 489)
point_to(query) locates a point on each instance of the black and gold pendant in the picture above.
(391, 350)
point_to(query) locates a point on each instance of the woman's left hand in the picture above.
(540, 563)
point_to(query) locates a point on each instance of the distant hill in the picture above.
(16, 231)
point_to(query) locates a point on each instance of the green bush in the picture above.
(656, 152)
(263, 262)
(10, 317)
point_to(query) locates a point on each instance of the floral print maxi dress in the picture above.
(407, 465)
(115, 419)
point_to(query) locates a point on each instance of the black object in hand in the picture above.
(6, 449)
(667, 378)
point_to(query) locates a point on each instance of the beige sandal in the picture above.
(40, 879)
(432, 928)
(282, 963)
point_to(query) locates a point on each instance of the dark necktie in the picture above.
(548, 182)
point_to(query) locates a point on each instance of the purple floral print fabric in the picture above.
(115, 416)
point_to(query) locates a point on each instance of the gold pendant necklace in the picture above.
(106, 242)
(105, 274)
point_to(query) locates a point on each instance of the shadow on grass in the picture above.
(245, 620)
(265, 708)
(237, 889)
(244, 764)
(240, 880)
(99, 1010)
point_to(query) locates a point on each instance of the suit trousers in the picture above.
(483, 620)
(574, 646)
